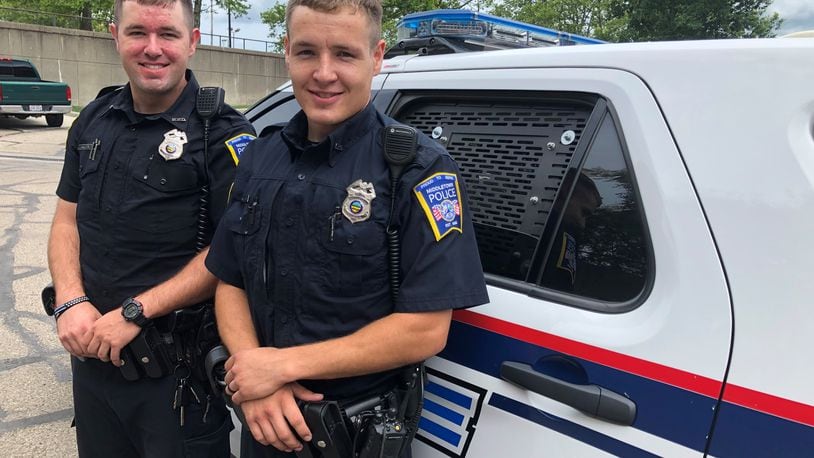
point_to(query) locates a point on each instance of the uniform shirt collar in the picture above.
(295, 134)
(178, 114)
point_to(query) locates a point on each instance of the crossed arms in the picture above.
(264, 379)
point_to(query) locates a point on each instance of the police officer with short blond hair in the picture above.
(304, 303)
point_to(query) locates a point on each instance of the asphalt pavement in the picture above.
(35, 389)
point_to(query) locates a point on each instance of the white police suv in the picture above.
(645, 218)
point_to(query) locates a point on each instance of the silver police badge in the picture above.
(358, 203)
(173, 145)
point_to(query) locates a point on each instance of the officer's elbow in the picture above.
(435, 338)
(438, 343)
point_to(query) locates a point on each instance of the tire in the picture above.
(54, 120)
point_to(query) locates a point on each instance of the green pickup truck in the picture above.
(23, 93)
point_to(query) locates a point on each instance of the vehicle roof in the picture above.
(14, 60)
(608, 55)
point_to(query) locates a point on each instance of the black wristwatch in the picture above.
(133, 311)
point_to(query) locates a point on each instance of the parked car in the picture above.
(23, 93)
(645, 218)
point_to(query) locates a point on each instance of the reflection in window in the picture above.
(600, 247)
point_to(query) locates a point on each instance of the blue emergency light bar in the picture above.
(472, 25)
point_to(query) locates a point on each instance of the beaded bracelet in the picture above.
(64, 307)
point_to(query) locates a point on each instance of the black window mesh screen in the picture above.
(513, 158)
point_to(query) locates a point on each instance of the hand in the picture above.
(255, 373)
(110, 334)
(74, 328)
(272, 418)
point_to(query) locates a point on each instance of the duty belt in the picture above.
(180, 339)
(380, 426)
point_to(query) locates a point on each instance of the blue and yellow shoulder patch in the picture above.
(439, 197)
(568, 255)
(237, 144)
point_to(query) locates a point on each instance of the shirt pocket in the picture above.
(355, 256)
(249, 234)
(167, 198)
(89, 157)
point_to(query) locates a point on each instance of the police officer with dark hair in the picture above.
(137, 183)
(304, 303)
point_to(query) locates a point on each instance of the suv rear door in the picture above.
(610, 320)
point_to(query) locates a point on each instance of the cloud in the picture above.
(797, 15)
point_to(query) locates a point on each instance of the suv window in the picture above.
(599, 249)
(551, 196)
(512, 161)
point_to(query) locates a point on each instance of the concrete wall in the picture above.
(88, 61)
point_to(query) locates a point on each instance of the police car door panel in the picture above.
(667, 353)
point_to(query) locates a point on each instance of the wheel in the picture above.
(54, 120)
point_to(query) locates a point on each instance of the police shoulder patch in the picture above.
(237, 144)
(439, 197)
(568, 255)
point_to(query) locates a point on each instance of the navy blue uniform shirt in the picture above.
(137, 212)
(305, 237)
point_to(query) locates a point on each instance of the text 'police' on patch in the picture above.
(438, 196)
(237, 144)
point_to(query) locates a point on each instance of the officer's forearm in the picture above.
(234, 318)
(393, 341)
(63, 253)
(193, 284)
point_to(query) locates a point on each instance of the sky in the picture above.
(798, 15)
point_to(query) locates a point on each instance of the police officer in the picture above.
(304, 300)
(125, 232)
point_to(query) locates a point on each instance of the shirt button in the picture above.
(301, 176)
(289, 222)
(338, 147)
(284, 319)
(350, 240)
(132, 129)
(107, 209)
(163, 181)
(283, 272)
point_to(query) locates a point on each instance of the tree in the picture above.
(603, 19)
(698, 19)
(236, 8)
(196, 13)
(393, 10)
(75, 14)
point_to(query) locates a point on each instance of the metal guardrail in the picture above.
(246, 44)
(68, 21)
